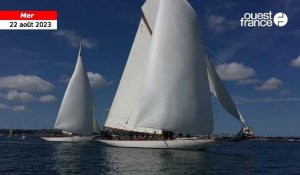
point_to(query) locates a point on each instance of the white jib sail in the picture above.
(175, 93)
(218, 89)
(123, 112)
(96, 127)
(76, 110)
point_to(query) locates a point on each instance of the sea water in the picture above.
(35, 156)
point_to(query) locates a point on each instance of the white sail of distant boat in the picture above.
(167, 81)
(76, 113)
(10, 133)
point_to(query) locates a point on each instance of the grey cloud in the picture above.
(30, 83)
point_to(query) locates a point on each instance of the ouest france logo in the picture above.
(280, 19)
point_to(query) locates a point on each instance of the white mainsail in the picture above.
(76, 110)
(175, 95)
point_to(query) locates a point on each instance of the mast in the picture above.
(76, 110)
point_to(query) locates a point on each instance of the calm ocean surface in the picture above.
(35, 156)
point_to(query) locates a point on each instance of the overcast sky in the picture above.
(260, 66)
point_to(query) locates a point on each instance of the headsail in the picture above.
(175, 94)
(96, 127)
(218, 89)
(123, 112)
(76, 110)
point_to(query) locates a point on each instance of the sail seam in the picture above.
(146, 22)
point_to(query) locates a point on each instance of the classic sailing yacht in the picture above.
(76, 114)
(166, 85)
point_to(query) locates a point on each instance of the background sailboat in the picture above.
(76, 114)
(10, 133)
(167, 82)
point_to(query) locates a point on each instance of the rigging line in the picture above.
(215, 54)
(132, 108)
(166, 144)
